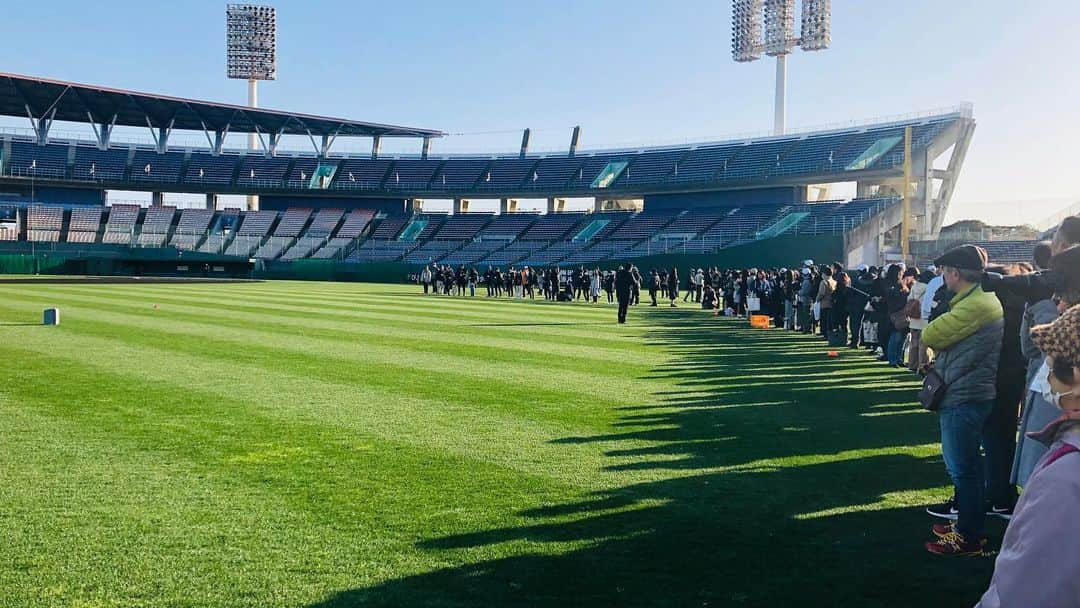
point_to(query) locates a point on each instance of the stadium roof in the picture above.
(48, 100)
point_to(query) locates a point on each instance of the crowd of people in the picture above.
(998, 347)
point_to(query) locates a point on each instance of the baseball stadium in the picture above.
(264, 357)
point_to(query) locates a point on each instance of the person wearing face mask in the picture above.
(1039, 562)
(1036, 413)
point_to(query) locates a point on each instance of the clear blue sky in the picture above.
(625, 70)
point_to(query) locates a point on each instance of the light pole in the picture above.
(768, 27)
(251, 55)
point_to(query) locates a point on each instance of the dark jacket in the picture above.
(623, 282)
(967, 340)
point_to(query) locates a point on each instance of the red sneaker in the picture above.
(943, 530)
(953, 543)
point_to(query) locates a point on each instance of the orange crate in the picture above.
(759, 321)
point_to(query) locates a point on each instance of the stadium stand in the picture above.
(513, 253)
(293, 221)
(254, 227)
(262, 170)
(149, 166)
(553, 172)
(94, 164)
(591, 168)
(361, 174)
(222, 229)
(31, 160)
(156, 225)
(459, 173)
(120, 228)
(9, 223)
(43, 223)
(373, 250)
(288, 229)
(473, 252)
(390, 227)
(651, 168)
(324, 224)
(85, 224)
(354, 225)
(210, 169)
(704, 163)
(507, 173)
(431, 251)
(553, 226)
(411, 174)
(301, 172)
(507, 226)
(191, 228)
(462, 227)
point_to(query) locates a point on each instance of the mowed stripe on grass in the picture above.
(320, 444)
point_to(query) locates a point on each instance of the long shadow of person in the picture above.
(777, 477)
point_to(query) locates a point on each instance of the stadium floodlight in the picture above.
(251, 42)
(779, 27)
(816, 34)
(251, 54)
(768, 27)
(746, 30)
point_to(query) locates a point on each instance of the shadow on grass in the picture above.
(778, 482)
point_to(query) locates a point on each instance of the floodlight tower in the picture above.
(251, 52)
(777, 18)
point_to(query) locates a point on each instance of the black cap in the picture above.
(964, 257)
(1066, 265)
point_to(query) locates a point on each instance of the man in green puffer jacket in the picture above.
(967, 340)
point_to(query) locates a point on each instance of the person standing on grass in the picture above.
(425, 278)
(1037, 412)
(673, 285)
(654, 285)
(623, 281)
(609, 286)
(1038, 562)
(967, 340)
(918, 356)
(474, 277)
(838, 333)
(635, 285)
(824, 300)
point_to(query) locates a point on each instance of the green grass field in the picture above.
(321, 444)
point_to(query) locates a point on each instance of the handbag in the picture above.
(913, 310)
(817, 311)
(933, 391)
(900, 320)
(869, 332)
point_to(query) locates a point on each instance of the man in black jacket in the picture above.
(623, 282)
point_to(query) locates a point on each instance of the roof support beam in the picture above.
(102, 131)
(312, 138)
(160, 134)
(219, 140)
(376, 146)
(258, 133)
(41, 125)
(426, 150)
(525, 136)
(275, 139)
(575, 138)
